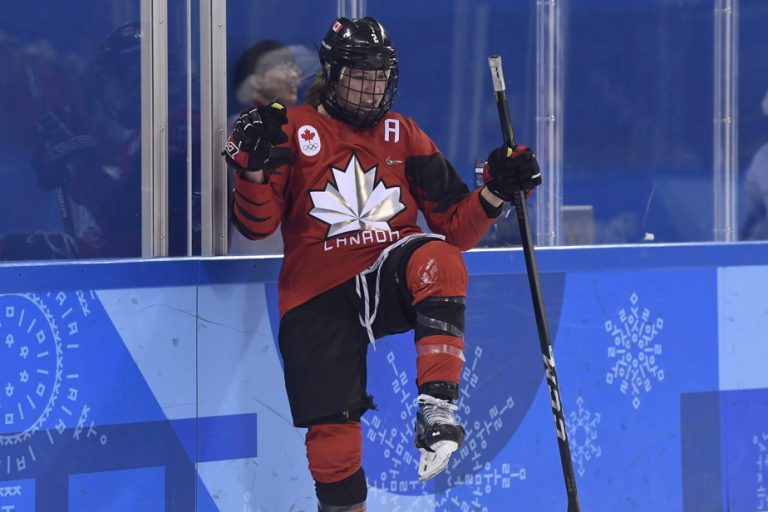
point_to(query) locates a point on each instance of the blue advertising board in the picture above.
(158, 385)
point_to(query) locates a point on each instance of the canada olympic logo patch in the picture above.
(309, 140)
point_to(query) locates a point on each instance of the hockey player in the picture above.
(345, 176)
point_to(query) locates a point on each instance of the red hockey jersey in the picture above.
(348, 194)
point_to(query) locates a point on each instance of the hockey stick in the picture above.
(499, 89)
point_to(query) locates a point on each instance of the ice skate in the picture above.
(438, 435)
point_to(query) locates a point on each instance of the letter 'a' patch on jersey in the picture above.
(309, 140)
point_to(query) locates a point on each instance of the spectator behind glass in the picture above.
(266, 72)
(91, 157)
(755, 225)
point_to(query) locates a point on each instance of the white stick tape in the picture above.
(496, 73)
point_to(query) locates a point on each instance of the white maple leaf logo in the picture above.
(355, 204)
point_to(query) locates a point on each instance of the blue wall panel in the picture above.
(159, 385)
(630, 344)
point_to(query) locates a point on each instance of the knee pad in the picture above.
(436, 269)
(334, 451)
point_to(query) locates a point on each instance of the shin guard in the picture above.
(437, 279)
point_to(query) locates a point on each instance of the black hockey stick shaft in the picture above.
(521, 209)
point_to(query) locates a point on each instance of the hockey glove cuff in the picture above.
(252, 146)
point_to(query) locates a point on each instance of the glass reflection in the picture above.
(73, 176)
(753, 121)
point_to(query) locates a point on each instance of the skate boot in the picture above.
(438, 435)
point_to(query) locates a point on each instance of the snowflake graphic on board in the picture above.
(582, 435)
(634, 350)
(357, 202)
(761, 442)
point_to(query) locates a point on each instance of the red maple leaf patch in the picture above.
(307, 135)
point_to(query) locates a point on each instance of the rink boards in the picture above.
(157, 386)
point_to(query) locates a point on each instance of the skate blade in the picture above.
(432, 463)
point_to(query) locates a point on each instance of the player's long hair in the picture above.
(315, 91)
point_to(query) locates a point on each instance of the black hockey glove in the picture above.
(257, 132)
(511, 170)
(64, 146)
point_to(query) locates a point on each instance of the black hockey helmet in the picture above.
(362, 51)
(118, 74)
